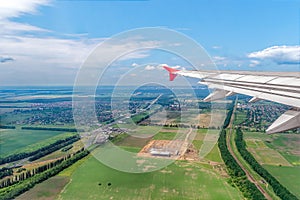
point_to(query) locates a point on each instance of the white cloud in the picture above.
(279, 54)
(216, 47)
(134, 65)
(221, 61)
(15, 8)
(254, 63)
(224, 62)
(150, 67)
(161, 66)
(135, 55)
(47, 50)
(9, 27)
(218, 58)
(35, 52)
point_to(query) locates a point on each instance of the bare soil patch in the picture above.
(208, 120)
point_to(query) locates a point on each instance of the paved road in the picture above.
(249, 176)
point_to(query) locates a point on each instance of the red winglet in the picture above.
(171, 71)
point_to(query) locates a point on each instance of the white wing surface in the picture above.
(280, 87)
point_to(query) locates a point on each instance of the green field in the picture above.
(197, 144)
(279, 154)
(288, 176)
(256, 135)
(240, 117)
(7, 118)
(48, 189)
(131, 149)
(214, 155)
(131, 141)
(264, 154)
(141, 130)
(181, 180)
(165, 136)
(16, 140)
(285, 144)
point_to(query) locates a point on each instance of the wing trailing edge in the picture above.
(287, 121)
(280, 87)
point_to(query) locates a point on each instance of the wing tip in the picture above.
(172, 72)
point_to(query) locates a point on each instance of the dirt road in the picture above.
(249, 176)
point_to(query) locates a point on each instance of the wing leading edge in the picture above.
(280, 87)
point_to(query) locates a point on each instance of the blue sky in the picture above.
(40, 38)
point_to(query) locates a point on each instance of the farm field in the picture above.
(180, 180)
(48, 189)
(140, 136)
(52, 187)
(214, 155)
(131, 141)
(88, 179)
(200, 118)
(256, 135)
(143, 134)
(165, 136)
(287, 145)
(240, 117)
(279, 154)
(206, 120)
(76, 146)
(264, 154)
(288, 176)
(17, 140)
(141, 131)
(10, 118)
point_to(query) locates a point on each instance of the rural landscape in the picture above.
(44, 156)
(149, 100)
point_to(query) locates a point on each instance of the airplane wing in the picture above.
(280, 87)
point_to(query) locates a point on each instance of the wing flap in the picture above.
(280, 87)
(287, 121)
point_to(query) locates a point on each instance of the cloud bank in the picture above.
(15, 8)
(278, 54)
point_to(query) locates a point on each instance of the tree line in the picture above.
(29, 173)
(52, 129)
(54, 147)
(41, 151)
(7, 127)
(179, 125)
(5, 172)
(279, 189)
(238, 176)
(23, 174)
(31, 180)
(228, 116)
